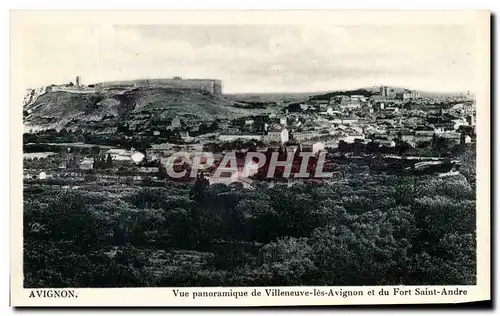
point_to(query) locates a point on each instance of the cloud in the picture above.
(257, 57)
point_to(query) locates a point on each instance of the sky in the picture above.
(255, 58)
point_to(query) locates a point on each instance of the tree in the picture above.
(95, 150)
(200, 185)
(109, 162)
(288, 261)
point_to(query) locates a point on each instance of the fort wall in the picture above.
(73, 89)
(212, 86)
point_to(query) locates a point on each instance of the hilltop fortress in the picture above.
(212, 86)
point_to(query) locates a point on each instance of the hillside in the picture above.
(101, 110)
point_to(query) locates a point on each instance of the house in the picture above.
(114, 153)
(454, 137)
(332, 144)
(351, 106)
(224, 125)
(459, 122)
(304, 107)
(304, 135)
(86, 164)
(408, 137)
(227, 137)
(385, 142)
(136, 156)
(345, 121)
(277, 134)
(358, 98)
(393, 109)
(125, 155)
(243, 170)
(149, 169)
(185, 137)
(176, 123)
(352, 138)
(422, 136)
(292, 148)
(317, 147)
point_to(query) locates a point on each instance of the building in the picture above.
(185, 137)
(392, 94)
(345, 121)
(459, 122)
(385, 142)
(212, 86)
(358, 98)
(383, 92)
(292, 148)
(176, 123)
(304, 135)
(125, 155)
(86, 164)
(317, 147)
(230, 136)
(115, 152)
(406, 95)
(148, 169)
(352, 138)
(277, 134)
(422, 136)
(393, 109)
(351, 106)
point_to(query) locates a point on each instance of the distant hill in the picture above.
(74, 110)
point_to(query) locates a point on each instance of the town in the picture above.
(377, 124)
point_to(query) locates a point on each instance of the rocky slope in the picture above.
(101, 110)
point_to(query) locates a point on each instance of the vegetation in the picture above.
(375, 229)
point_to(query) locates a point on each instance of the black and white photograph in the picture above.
(333, 155)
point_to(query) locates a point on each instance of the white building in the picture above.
(351, 138)
(86, 164)
(317, 147)
(125, 155)
(304, 135)
(459, 122)
(277, 134)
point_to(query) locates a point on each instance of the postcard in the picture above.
(250, 158)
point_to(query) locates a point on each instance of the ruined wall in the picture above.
(73, 89)
(210, 85)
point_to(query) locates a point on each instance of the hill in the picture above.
(100, 110)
